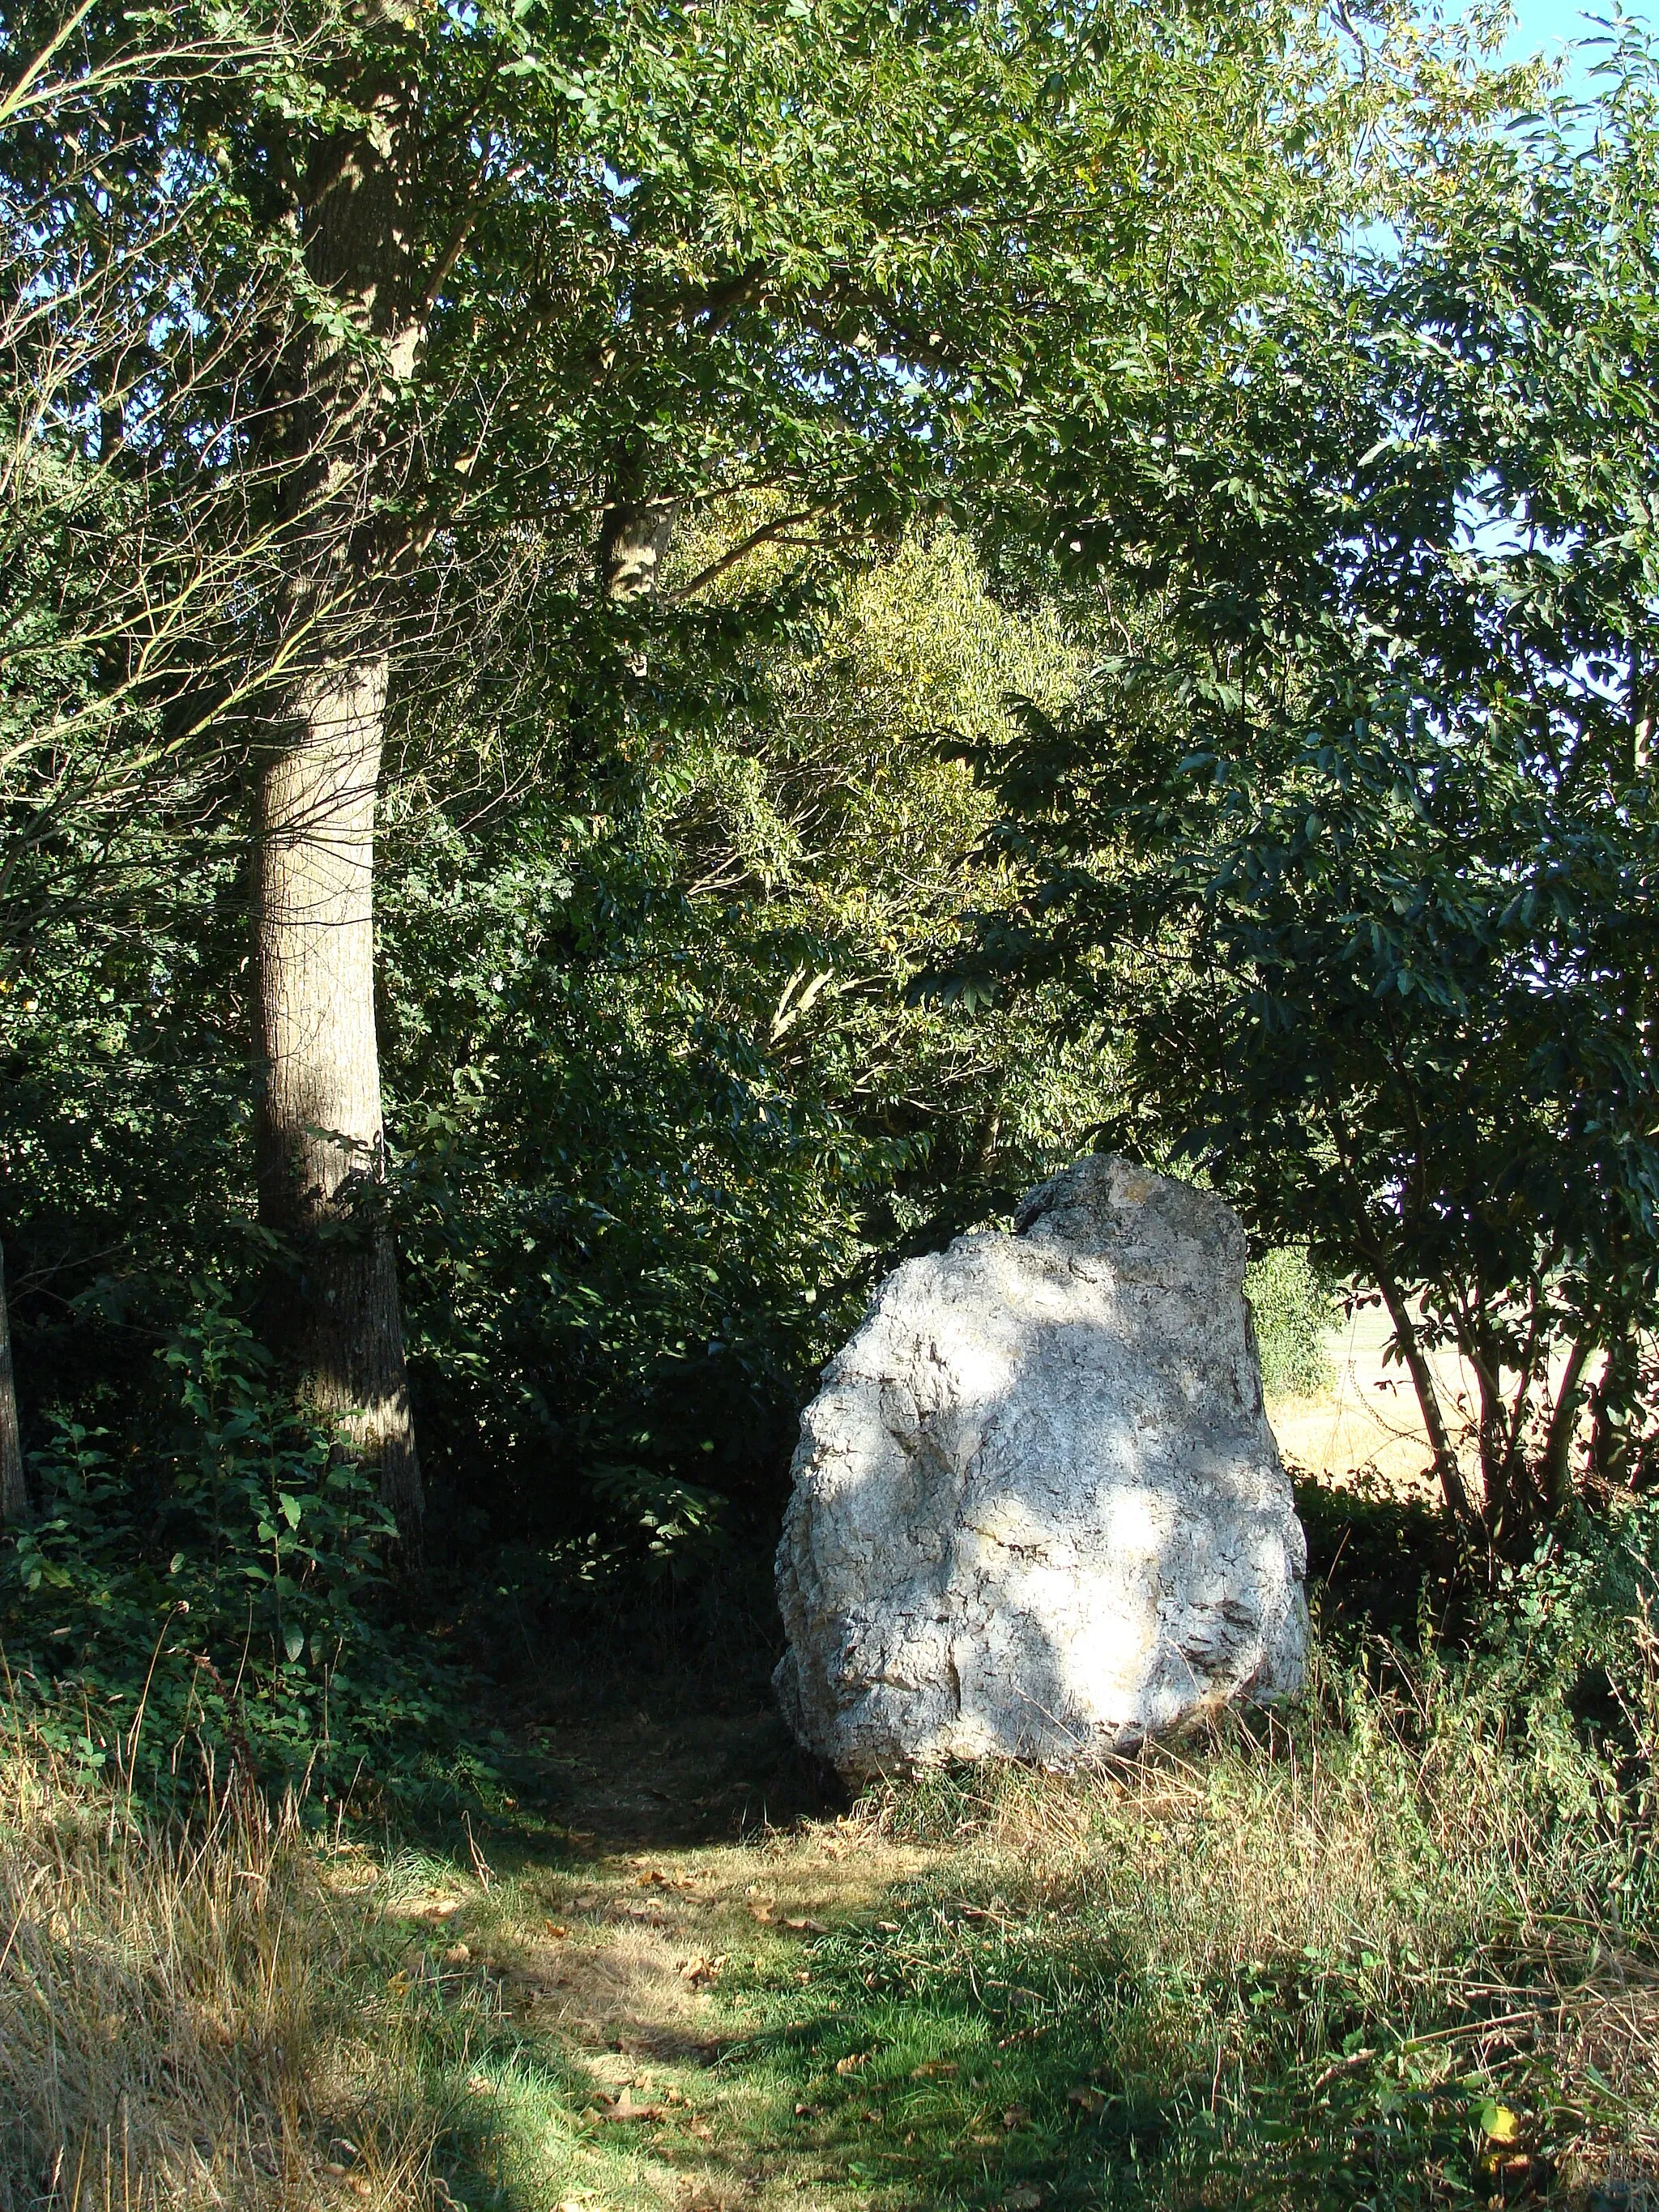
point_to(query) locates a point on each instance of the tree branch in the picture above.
(767, 532)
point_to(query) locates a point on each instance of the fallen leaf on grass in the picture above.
(933, 2069)
(760, 1909)
(888, 1927)
(699, 1971)
(808, 1927)
(555, 1928)
(1497, 2124)
(852, 2063)
(1087, 2097)
(457, 1954)
(1016, 2117)
(622, 2107)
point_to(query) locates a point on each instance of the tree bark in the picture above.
(634, 536)
(334, 1317)
(1450, 1475)
(13, 1495)
(1555, 1467)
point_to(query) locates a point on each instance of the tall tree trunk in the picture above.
(335, 1317)
(333, 1314)
(13, 1497)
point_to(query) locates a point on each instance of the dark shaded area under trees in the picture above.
(869, 598)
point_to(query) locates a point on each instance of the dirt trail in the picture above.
(703, 1986)
(695, 1855)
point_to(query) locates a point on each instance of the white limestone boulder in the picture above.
(1038, 1512)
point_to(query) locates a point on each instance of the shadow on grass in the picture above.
(1378, 1563)
(1344, 1960)
(956, 2056)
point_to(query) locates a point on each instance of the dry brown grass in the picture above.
(1414, 1876)
(188, 2017)
(228, 2012)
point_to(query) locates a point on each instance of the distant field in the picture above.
(1367, 1424)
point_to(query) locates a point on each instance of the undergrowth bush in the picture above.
(1291, 1304)
(213, 1584)
(1576, 1632)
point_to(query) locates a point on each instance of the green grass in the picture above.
(1311, 1970)
(1394, 1950)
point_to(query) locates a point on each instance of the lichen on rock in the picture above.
(1038, 1512)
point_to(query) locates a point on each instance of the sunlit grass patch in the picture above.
(196, 2015)
(1339, 1961)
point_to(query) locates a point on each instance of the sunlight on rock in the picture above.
(1038, 1511)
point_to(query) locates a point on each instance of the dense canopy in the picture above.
(652, 656)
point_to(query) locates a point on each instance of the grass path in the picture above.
(1223, 1980)
(1393, 1952)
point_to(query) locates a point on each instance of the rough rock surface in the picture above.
(1038, 1512)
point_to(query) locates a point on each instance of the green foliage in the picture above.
(664, 875)
(1379, 1565)
(1376, 931)
(666, 1105)
(1293, 1309)
(664, 869)
(1578, 1628)
(214, 1587)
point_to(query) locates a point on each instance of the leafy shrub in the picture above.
(217, 1586)
(1369, 933)
(1291, 1304)
(664, 1105)
(1577, 1633)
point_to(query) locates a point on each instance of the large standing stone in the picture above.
(1038, 1512)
